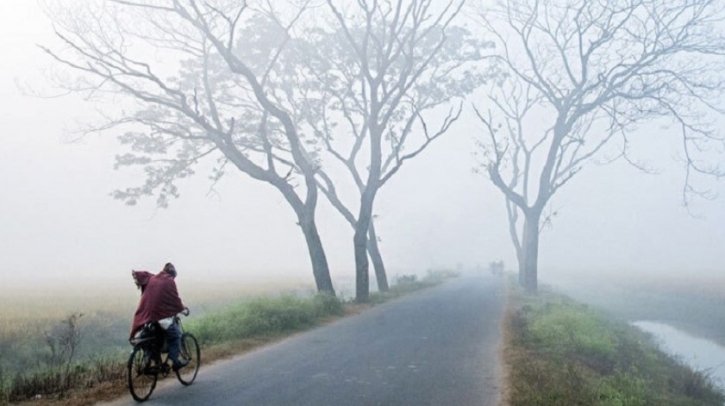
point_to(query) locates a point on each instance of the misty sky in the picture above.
(58, 221)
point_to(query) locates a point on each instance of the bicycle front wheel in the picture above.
(142, 374)
(190, 352)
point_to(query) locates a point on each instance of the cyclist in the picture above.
(160, 302)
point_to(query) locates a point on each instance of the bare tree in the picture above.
(209, 96)
(380, 69)
(63, 341)
(581, 76)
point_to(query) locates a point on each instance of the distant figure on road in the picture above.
(160, 302)
(496, 268)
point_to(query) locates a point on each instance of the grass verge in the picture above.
(235, 329)
(560, 352)
(693, 305)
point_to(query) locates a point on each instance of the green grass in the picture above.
(561, 352)
(693, 305)
(222, 332)
(58, 381)
(264, 317)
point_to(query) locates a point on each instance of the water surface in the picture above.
(699, 353)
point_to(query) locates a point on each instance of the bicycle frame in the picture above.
(149, 359)
(155, 345)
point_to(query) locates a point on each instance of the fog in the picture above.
(60, 227)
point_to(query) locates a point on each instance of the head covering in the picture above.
(141, 278)
(170, 269)
(159, 300)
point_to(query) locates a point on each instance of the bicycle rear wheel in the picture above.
(190, 352)
(142, 374)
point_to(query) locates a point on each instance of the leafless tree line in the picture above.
(594, 70)
(290, 93)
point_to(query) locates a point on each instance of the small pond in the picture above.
(698, 353)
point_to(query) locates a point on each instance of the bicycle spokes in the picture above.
(142, 374)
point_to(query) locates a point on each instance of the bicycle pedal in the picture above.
(151, 370)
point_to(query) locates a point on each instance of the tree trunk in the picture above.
(512, 212)
(320, 268)
(360, 243)
(305, 211)
(372, 246)
(528, 264)
(362, 281)
(374, 251)
(522, 269)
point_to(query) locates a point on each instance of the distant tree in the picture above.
(191, 80)
(375, 73)
(582, 75)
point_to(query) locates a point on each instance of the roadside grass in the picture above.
(405, 284)
(694, 305)
(264, 317)
(227, 331)
(560, 352)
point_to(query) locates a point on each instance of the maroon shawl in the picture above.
(159, 298)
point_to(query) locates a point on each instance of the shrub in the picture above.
(406, 279)
(3, 386)
(264, 317)
(328, 305)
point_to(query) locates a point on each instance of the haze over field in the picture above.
(59, 226)
(305, 164)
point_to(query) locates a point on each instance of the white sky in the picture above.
(58, 222)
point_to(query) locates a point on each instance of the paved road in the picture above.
(435, 347)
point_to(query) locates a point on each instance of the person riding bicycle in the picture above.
(160, 302)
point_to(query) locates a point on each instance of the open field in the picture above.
(29, 317)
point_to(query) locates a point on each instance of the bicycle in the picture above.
(147, 359)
